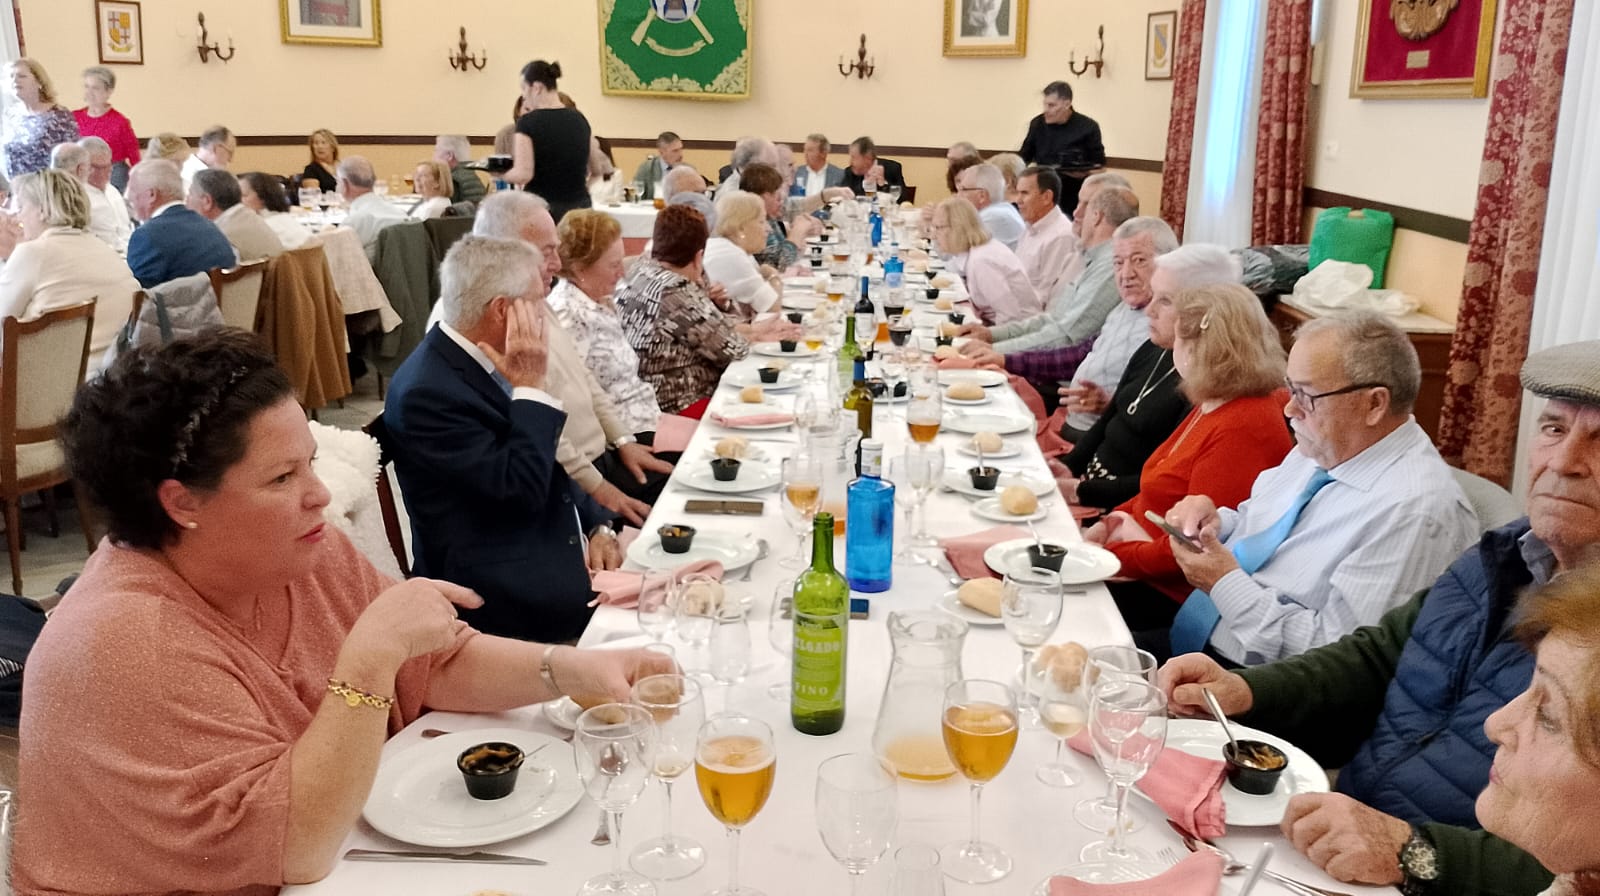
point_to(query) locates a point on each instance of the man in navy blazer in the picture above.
(171, 240)
(473, 435)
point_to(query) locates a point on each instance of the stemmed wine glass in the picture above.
(735, 763)
(898, 472)
(924, 468)
(1063, 710)
(802, 496)
(655, 602)
(925, 406)
(1128, 725)
(1115, 661)
(980, 731)
(856, 811)
(730, 648)
(615, 745)
(695, 611)
(674, 702)
(780, 634)
(1030, 606)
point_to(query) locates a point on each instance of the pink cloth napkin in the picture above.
(966, 551)
(1185, 786)
(674, 432)
(735, 421)
(1198, 875)
(620, 588)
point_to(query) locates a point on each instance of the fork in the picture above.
(1168, 855)
(761, 552)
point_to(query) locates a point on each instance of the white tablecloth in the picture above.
(638, 219)
(781, 853)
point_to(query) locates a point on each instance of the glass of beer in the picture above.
(924, 410)
(674, 701)
(802, 497)
(615, 744)
(735, 763)
(980, 731)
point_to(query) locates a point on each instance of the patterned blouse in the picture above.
(30, 135)
(780, 253)
(597, 331)
(684, 343)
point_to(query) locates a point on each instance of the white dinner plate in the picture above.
(805, 283)
(753, 477)
(800, 301)
(972, 424)
(989, 509)
(1007, 449)
(787, 379)
(418, 796)
(966, 401)
(985, 378)
(774, 350)
(1204, 738)
(1102, 873)
(752, 452)
(953, 605)
(733, 551)
(958, 481)
(1083, 564)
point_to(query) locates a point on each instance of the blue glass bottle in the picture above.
(876, 220)
(869, 540)
(894, 268)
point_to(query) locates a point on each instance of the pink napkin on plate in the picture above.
(1198, 875)
(737, 421)
(1185, 786)
(966, 551)
(674, 432)
(620, 588)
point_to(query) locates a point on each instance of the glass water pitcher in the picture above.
(908, 735)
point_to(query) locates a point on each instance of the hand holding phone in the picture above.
(1174, 531)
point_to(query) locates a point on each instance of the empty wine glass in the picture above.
(780, 634)
(1030, 606)
(1063, 711)
(856, 811)
(925, 468)
(898, 472)
(1121, 661)
(1128, 725)
(917, 872)
(980, 731)
(730, 648)
(695, 610)
(736, 761)
(675, 703)
(655, 602)
(615, 745)
(802, 496)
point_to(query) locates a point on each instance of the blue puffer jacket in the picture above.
(1428, 757)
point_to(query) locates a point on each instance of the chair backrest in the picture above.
(386, 499)
(42, 362)
(239, 293)
(1494, 505)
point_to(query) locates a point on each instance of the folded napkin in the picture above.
(673, 432)
(1198, 875)
(1185, 786)
(959, 362)
(620, 588)
(734, 420)
(966, 551)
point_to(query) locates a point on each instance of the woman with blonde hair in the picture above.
(1011, 167)
(36, 122)
(323, 167)
(169, 146)
(1231, 361)
(741, 232)
(996, 281)
(53, 262)
(433, 184)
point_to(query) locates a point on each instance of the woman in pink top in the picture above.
(98, 119)
(996, 281)
(205, 712)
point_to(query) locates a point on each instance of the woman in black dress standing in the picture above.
(550, 150)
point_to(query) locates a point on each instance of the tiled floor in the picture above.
(47, 561)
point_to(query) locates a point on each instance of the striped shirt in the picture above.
(1387, 525)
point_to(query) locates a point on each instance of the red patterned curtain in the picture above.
(1281, 132)
(1482, 398)
(1180, 127)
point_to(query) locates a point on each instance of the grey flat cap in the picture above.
(1568, 372)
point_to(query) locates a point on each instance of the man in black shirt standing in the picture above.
(1066, 139)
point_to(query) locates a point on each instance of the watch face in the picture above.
(1419, 859)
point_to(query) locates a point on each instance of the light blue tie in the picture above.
(1198, 616)
(502, 382)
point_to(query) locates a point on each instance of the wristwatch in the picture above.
(1419, 864)
(624, 440)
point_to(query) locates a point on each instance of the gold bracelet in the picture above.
(354, 696)
(547, 671)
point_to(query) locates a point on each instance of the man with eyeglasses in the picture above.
(985, 187)
(1361, 515)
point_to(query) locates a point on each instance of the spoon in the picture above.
(762, 549)
(1216, 711)
(1232, 866)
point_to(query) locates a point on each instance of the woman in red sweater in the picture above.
(1232, 364)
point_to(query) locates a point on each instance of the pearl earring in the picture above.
(191, 525)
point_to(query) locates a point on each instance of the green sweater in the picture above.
(1329, 699)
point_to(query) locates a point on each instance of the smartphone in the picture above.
(1174, 531)
(860, 607)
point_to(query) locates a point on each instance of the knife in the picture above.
(485, 858)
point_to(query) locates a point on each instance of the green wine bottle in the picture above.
(821, 621)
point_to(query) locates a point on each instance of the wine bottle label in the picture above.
(819, 658)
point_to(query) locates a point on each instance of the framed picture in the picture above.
(121, 32)
(345, 23)
(684, 49)
(1160, 35)
(985, 27)
(1413, 48)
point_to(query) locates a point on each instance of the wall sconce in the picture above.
(460, 59)
(1097, 63)
(862, 68)
(207, 50)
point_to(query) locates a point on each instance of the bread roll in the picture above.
(706, 597)
(965, 392)
(732, 446)
(988, 442)
(945, 352)
(942, 280)
(982, 595)
(1065, 663)
(948, 328)
(752, 394)
(944, 303)
(1018, 500)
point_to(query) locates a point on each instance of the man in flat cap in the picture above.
(1399, 706)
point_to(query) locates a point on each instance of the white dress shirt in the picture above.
(816, 181)
(108, 217)
(369, 215)
(1004, 223)
(191, 166)
(739, 274)
(1388, 524)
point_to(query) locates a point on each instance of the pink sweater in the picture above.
(156, 734)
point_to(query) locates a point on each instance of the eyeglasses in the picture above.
(1308, 400)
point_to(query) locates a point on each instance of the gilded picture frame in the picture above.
(119, 30)
(1160, 37)
(985, 27)
(339, 23)
(678, 49)
(1407, 49)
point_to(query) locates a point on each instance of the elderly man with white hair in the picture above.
(172, 240)
(455, 150)
(108, 211)
(217, 146)
(369, 212)
(748, 151)
(985, 187)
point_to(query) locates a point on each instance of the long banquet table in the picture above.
(780, 850)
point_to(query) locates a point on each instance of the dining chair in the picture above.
(42, 362)
(386, 497)
(238, 292)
